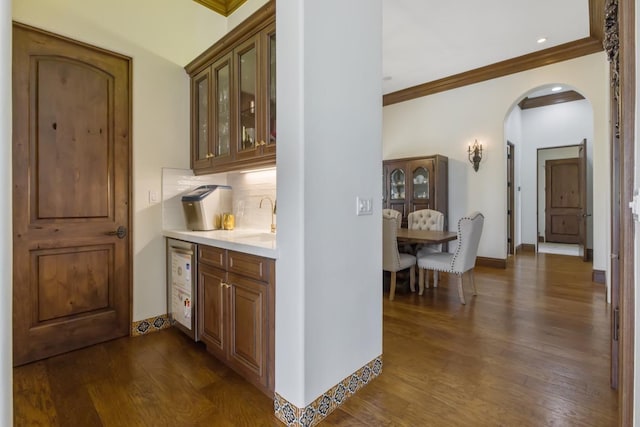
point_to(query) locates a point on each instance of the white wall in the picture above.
(329, 310)
(445, 123)
(243, 12)
(160, 124)
(6, 296)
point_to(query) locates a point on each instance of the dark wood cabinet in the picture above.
(415, 183)
(236, 312)
(233, 111)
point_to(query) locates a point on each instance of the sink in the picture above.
(261, 237)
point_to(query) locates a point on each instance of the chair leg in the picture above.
(426, 279)
(392, 288)
(460, 290)
(435, 278)
(473, 282)
(412, 279)
(421, 280)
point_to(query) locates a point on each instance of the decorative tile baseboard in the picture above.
(152, 324)
(315, 412)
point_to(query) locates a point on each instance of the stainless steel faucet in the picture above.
(273, 211)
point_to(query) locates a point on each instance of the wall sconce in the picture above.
(475, 155)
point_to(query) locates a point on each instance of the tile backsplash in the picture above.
(248, 189)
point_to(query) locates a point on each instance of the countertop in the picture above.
(255, 242)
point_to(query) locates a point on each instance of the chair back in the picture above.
(426, 219)
(390, 253)
(469, 232)
(392, 213)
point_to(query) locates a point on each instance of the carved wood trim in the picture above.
(563, 52)
(223, 7)
(626, 101)
(554, 98)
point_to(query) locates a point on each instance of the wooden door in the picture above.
(211, 307)
(582, 237)
(563, 211)
(221, 139)
(269, 92)
(71, 157)
(248, 333)
(510, 198)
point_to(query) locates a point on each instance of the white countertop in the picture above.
(254, 242)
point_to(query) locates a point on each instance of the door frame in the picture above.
(538, 189)
(511, 194)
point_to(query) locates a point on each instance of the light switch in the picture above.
(153, 197)
(364, 206)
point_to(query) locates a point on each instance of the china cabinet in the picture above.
(233, 102)
(415, 183)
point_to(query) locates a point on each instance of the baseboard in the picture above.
(540, 239)
(318, 410)
(599, 276)
(152, 324)
(491, 262)
(526, 247)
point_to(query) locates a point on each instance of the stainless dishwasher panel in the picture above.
(182, 291)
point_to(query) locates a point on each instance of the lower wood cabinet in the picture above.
(236, 308)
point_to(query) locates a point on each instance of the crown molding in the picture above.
(223, 7)
(563, 52)
(552, 99)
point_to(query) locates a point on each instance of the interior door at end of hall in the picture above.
(71, 149)
(582, 238)
(563, 198)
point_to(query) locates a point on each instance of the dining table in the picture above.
(406, 235)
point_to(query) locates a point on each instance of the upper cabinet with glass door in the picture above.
(233, 98)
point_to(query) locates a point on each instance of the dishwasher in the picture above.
(181, 286)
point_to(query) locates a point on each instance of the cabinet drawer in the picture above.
(249, 265)
(215, 257)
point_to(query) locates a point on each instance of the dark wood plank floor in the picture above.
(530, 350)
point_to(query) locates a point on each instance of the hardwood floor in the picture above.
(530, 350)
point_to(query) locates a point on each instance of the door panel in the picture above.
(73, 130)
(212, 308)
(563, 201)
(71, 174)
(247, 318)
(71, 281)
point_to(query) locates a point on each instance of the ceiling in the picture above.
(426, 40)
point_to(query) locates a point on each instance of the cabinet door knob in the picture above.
(210, 155)
(224, 284)
(262, 143)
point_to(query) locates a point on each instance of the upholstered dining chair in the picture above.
(392, 213)
(426, 219)
(460, 262)
(392, 260)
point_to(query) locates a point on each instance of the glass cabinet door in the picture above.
(222, 115)
(247, 74)
(397, 184)
(421, 183)
(201, 126)
(271, 88)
